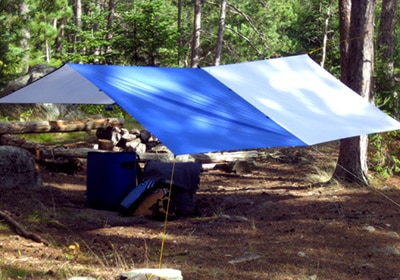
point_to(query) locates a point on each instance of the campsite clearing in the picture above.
(275, 223)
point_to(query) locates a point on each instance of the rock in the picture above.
(313, 277)
(81, 278)
(226, 167)
(130, 137)
(34, 73)
(141, 148)
(144, 136)
(391, 250)
(153, 274)
(71, 112)
(234, 218)
(17, 168)
(368, 265)
(133, 144)
(52, 111)
(242, 167)
(160, 148)
(248, 256)
(125, 132)
(386, 250)
(370, 229)
(392, 234)
(301, 254)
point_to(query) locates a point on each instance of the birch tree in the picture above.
(23, 11)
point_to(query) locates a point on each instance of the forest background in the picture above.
(298, 228)
(194, 34)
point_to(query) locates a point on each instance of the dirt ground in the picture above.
(276, 223)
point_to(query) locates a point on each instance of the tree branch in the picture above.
(20, 230)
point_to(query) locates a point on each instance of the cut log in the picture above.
(57, 126)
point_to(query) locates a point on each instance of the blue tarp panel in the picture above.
(187, 109)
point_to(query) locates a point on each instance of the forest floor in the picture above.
(279, 222)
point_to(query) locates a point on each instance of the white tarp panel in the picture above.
(303, 98)
(63, 86)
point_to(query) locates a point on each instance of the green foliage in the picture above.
(254, 30)
(86, 44)
(384, 156)
(384, 152)
(13, 273)
(10, 55)
(386, 91)
(57, 138)
(147, 34)
(309, 31)
(107, 111)
(26, 115)
(110, 111)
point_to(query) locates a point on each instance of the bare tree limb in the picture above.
(21, 231)
(245, 38)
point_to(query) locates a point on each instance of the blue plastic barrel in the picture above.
(110, 178)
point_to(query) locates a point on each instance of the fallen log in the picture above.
(44, 151)
(8, 140)
(57, 126)
(162, 157)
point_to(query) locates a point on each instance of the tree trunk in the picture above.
(196, 33)
(23, 11)
(385, 47)
(220, 39)
(325, 39)
(78, 22)
(47, 50)
(110, 23)
(180, 38)
(387, 28)
(352, 161)
(344, 26)
(60, 36)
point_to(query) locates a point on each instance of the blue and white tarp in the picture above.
(288, 101)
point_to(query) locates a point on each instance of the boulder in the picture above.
(18, 168)
(34, 74)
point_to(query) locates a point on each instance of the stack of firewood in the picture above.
(121, 139)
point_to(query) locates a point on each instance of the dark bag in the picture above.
(150, 197)
(186, 180)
